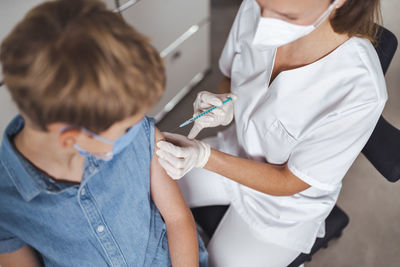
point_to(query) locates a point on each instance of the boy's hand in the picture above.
(181, 229)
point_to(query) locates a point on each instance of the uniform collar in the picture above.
(28, 180)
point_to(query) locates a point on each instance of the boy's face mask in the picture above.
(118, 145)
(272, 33)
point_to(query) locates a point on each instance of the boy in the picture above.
(78, 180)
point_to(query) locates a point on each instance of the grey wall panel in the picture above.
(11, 11)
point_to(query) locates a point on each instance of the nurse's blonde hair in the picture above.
(358, 18)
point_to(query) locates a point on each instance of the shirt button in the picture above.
(83, 192)
(100, 228)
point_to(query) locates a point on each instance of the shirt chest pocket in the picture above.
(278, 143)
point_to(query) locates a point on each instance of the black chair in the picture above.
(382, 150)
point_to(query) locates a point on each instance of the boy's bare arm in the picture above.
(181, 228)
(22, 257)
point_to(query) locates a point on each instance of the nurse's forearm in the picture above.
(225, 86)
(267, 178)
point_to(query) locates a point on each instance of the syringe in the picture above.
(203, 113)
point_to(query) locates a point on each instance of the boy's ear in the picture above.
(66, 138)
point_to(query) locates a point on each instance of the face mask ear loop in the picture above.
(98, 137)
(106, 156)
(324, 15)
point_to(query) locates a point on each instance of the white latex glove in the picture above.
(178, 155)
(219, 116)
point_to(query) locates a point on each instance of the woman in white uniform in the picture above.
(308, 90)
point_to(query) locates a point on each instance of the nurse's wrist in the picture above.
(211, 162)
(204, 153)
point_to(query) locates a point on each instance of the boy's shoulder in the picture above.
(148, 123)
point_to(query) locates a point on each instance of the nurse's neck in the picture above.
(316, 45)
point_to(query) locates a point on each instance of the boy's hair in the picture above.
(76, 62)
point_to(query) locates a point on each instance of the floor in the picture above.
(372, 238)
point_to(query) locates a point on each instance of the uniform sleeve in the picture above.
(9, 242)
(226, 59)
(323, 157)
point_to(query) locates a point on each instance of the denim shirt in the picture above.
(109, 219)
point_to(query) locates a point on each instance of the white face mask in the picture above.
(275, 32)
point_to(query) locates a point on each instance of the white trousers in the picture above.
(233, 244)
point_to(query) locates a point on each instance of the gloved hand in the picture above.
(219, 116)
(178, 155)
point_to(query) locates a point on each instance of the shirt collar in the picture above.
(28, 180)
(15, 165)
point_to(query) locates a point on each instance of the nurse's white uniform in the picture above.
(316, 118)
